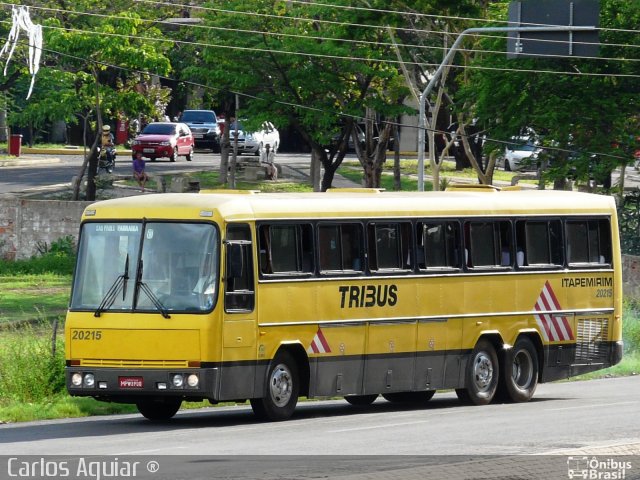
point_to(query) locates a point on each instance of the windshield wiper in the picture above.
(140, 285)
(110, 296)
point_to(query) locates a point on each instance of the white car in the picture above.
(254, 142)
(520, 156)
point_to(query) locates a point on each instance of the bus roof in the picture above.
(350, 204)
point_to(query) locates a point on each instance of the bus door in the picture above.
(239, 328)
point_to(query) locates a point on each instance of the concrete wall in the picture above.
(631, 276)
(25, 223)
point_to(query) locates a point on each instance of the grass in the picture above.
(60, 406)
(211, 181)
(409, 170)
(29, 297)
(630, 365)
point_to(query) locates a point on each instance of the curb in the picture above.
(28, 161)
(61, 151)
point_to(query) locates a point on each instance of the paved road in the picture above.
(562, 416)
(35, 172)
(595, 418)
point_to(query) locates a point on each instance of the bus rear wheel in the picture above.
(409, 397)
(361, 400)
(520, 374)
(158, 410)
(481, 376)
(281, 389)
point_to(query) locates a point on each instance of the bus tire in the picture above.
(409, 397)
(156, 411)
(481, 376)
(520, 372)
(281, 389)
(361, 400)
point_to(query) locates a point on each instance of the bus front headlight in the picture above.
(89, 380)
(76, 379)
(193, 380)
(177, 380)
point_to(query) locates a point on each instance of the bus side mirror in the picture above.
(235, 261)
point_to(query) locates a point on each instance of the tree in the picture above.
(580, 105)
(434, 27)
(303, 71)
(94, 63)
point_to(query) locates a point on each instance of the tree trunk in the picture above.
(85, 162)
(397, 179)
(93, 156)
(225, 149)
(330, 167)
(314, 173)
(93, 169)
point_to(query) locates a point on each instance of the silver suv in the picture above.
(204, 127)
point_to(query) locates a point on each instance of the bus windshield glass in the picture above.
(137, 267)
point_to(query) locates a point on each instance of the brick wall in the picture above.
(25, 223)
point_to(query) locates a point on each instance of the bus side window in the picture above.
(340, 247)
(389, 246)
(490, 244)
(439, 245)
(286, 249)
(588, 241)
(239, 289)
(540, 242)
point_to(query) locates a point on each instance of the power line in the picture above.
(338, 57)
(280, 34)
(446, 17)
(362, 25)
(341, 57)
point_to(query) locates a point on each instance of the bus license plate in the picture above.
(131, 382)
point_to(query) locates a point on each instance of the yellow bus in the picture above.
(235, 296)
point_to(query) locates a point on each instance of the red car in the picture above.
(164, 139)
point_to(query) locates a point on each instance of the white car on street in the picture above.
(520, 156)
(254, 142)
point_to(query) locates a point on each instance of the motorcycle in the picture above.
(106, 159)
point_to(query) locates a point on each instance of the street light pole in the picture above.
(447, 60)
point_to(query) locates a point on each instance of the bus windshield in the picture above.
(146, 267)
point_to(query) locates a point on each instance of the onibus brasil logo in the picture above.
(593, 468)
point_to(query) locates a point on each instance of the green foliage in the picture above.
(58, 258)
(629, 224)
(631, 326)
(29, 370)
(302, 72)
(576, 103)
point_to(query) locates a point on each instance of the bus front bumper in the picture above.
(119, 384)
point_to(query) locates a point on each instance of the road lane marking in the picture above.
(600, 405)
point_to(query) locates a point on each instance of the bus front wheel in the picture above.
(158, 410)
(521, 370)
(481, 376)
(281, 389)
